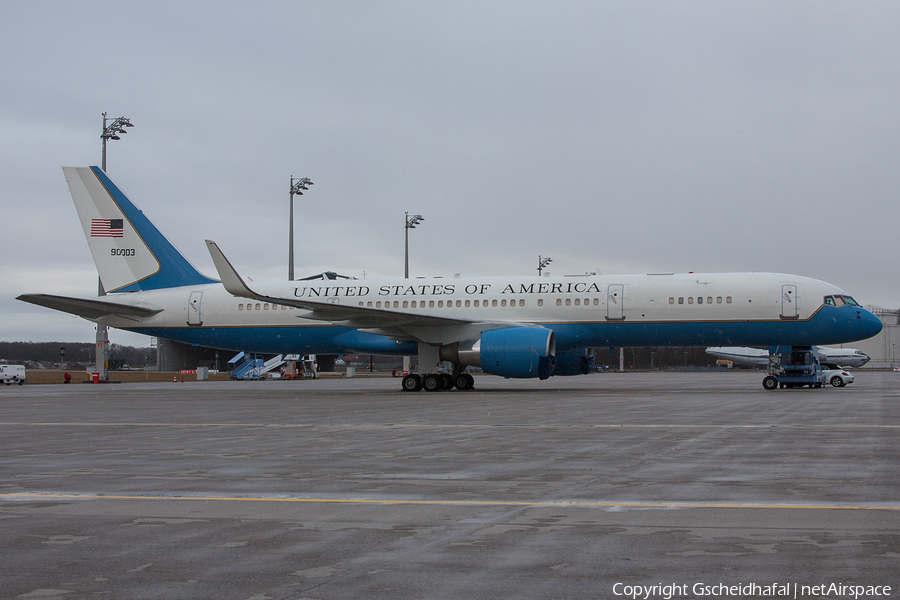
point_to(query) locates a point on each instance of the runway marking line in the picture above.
(510, 503)
(448, 425)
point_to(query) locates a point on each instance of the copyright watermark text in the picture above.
(770, 590)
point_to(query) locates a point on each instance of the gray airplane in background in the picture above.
(759, 357)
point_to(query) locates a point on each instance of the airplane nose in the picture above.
(871, 325)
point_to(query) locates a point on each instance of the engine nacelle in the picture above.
(519, 352)
(577, 362)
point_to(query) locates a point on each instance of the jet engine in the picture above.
(578, 362)
(519, 352)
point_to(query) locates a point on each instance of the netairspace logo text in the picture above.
(772, 590)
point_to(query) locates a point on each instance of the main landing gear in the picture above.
(434, 382)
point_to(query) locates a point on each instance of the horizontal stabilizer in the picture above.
(88, 309)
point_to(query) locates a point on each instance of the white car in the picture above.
(838, 377)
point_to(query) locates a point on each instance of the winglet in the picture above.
(233, 282)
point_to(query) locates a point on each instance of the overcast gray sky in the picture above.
(620, 137)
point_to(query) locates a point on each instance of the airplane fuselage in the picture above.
(746, 309)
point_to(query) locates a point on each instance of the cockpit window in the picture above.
(849, 300)
(839, 300)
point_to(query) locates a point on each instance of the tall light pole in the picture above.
(411, 222)
(111, 131)
(297, 189)
(542, 263)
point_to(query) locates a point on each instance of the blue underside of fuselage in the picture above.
(830, 325)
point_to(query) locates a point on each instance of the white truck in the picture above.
(10, 374)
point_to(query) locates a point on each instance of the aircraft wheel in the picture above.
(837, 381)
(446, 381)
(412, 383)
(432, 383)
(770, 383)
(470, 381)
(460, 382)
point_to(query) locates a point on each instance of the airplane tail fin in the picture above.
(131, 254)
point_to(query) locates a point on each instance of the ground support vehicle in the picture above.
(10, 374)
(793, 366)
(245, 366)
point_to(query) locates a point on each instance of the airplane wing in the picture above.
(88, 309)
(404, 326)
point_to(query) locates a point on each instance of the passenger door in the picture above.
(789, 308)
(615, 302)
(194, 309)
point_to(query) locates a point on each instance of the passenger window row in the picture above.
(577, 301)
(700, 300)
(829, 300)
(440, 303)
(265, 306)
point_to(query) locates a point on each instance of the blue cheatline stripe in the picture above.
(308, 339)
(174, 269)
(828, 326)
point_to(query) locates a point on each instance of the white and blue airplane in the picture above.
(835, 358)
(509, 326)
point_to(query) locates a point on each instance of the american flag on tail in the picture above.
(112, 228)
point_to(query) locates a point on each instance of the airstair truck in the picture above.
(10, 374)
(245, 366)
(793, 366)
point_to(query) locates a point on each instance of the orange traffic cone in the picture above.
(175, 380)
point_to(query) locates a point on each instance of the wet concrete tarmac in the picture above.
(570, 488)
